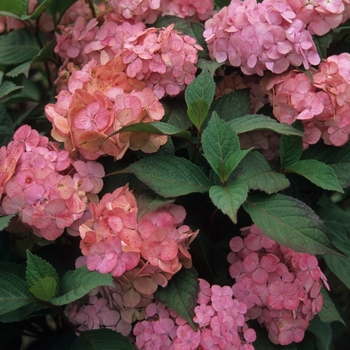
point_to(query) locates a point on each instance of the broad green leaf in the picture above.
(220, 145)
(233, 105)
(201, 88)
(14, 292)
(158, 128)
(21, 69)
(32, 309)
(336, 157)
(197, 112)
(37, 269)
(38, 11)
(252, 122)
(45, 288)
(18, 46)
(17, 7)
(170, 176)
(101, 339)
(229, 199)
(176, 113)
(45, 54)
(322, 43)
(257, 173)
(291, 149)
(290, 223)
(181, 294)
(320, 174)
(148, 201)
(5, 221)
(57, 8)
(7, 87)
(322, 331)
(75, 284)
(210, 66)
(337, 221)
(329, 313)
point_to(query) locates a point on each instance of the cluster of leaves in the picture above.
(302, 201)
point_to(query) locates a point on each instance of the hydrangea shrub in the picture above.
(174, 174)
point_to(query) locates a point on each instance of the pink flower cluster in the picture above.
(321, 16)
(154, 247)
(220, 320)
(99, 309)
(163, 59)
(101, 99)
(321, 104)
(280, 287)
(47, 189)
(149, 10)
(259, 36)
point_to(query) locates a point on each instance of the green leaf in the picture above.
(221, 147)
(57, 9)
(210, 66)
(38, 268)
(38, 11)
(21, 69)
(7, 87)
(252, 122)
(257, 173)
(14, 292)
(158, 128)
(176, 114)
(75, 284)
(201, 88)
(322, 331)
(170, 176)
(229, 199)
(233, 105)
(45, 288)
(5, 221)
(32, 309)
(291, 149)
(336, 157)
(42, 278)
(45, 54)
(181, 294)
(328, 312)
(322, 43)
(197, 112)
(18, 46)
(337, 221)
(320, 174)
(17, 7)
(101, 339)
(148, 201)
(290, 223)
